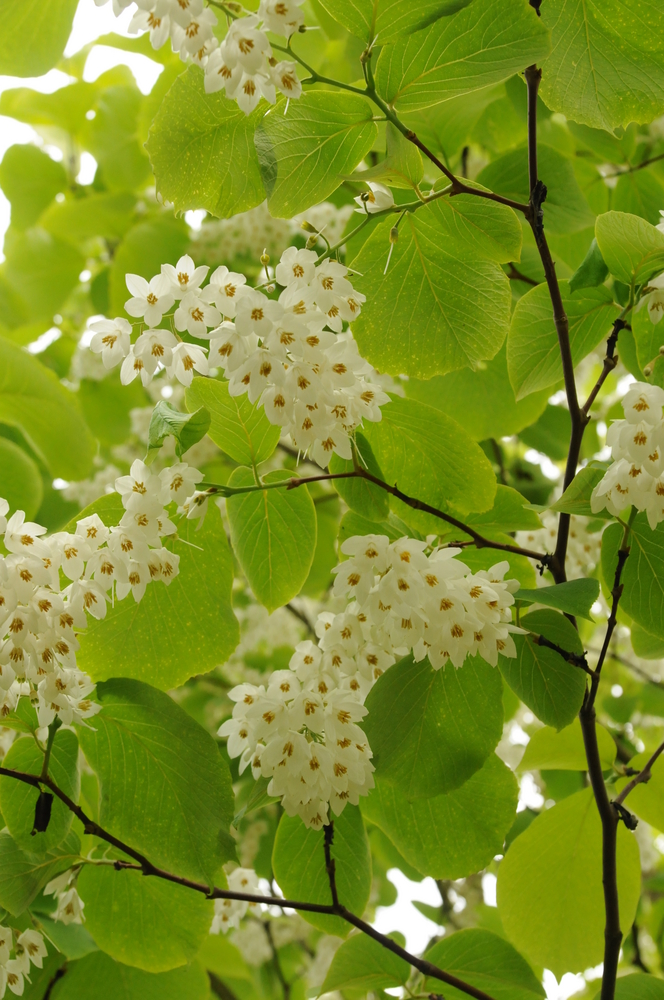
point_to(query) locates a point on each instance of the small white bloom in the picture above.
(376, 199)
(112, 340)
(150, 299)
(186, 359)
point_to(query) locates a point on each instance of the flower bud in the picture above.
(308, 228)
(394, 234)
(311, 242)
(265, 258)
(647, 371)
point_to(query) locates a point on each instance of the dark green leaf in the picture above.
(362, 963)
(487, 962)
(98, 977)
(643, 574)
(575, 597)
(576, 498)
(23, 875)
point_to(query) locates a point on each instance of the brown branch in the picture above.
(639, 779)
(515, 275)
(219, 987)
(285, 985)
(576, 659)
(146, 867)
(610, 362)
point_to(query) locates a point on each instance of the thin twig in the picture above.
(515, 275)
(610, 362)
(641, 778)
(576, 659)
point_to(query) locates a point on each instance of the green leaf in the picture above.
(107, 406)
(298, 860)
(639, 193)
(42, 270)
(482, 44)
(144, 922)
(385, 20)
(575, 597)
(550, 895)
(18, 800)
(238, 427)
(565, 209)
(631, 247)
(97, 976)
(452, 835)
(550, 686)
(592, 271)
(355, 524)
(143, 250)
(34, 35)
(73, 940)
(201, 148)
(402, 166)
(66, 108)
(564, 750)
(576, 498)
(638, 987)
(484, 396)
(487, 962)
(605, 67)
(443, 304)
(186, 428)
(648, 338)
(533, 354)
(430, 730)
(645, 645)
(30, 180)
(363, 964)
(41, 979)
(520, 568)
(164, 788)
(361, 495)
(112, 136)
(23, 875)
(643, 574)
(509, 513)
(78, 219)
(197, 627)
(320, 577)
(305, 154)
(273, 533)
(22, 485)
(430, 457)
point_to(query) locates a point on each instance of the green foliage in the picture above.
(482, 44)
(592, 271)
(274, 536)
(34, 35)
(647, 799)
(193, 128)
(238, 427)
(164, 788)
(451, 835)
(143, 250)
(402, 166)
(575, 597)
(487, 962)
(533, 355)
(303, 155)
(448, 302)
(631, 247)
(361, 495)
(23, 874)
(186, 428)
(643, 575)
(388, 19)
(550, 897)
(30, 180)
(449, 722)
(22, 485)
(18, 800)
(197, 603)
(42, 270)
(298, 860)
(361, 963)
(639, 987)
(550, 686)
(564, 750)
(143, 922)
(97, 976)
(576, 498)
(605, 65)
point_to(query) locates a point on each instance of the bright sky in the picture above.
(91, 22)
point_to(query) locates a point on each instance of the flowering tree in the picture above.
(315, 514)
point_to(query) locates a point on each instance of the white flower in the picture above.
(195, 315)
(249, 90)
(219, 75)
(186, 359)
(376, 199)
(245, 44)
(112, 340)
(154, 348)
(133, 366)
(159, 27)
(283, 17)
(22, 536)
(4, 510)
(33, 944)
(177, 482)
(150, 299)
(285, 79)
(655, 298)
(296, 267)
(185, 276)
(224, 290)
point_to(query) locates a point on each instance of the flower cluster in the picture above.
(229, 912)
(636, 477)
(290, 354)
(301, 729)
(583, 549)
(243, 64)
(69, 908)
(39, 617)
(411, 596)
(28, 948)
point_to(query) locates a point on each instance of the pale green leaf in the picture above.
(592, 271)
(452, 835)
(643, 574)
(431, 730)
(143, 250)
(639, 193)
(197, 627)
(638, 987)
(298, 859)
(550, 896)
(487, 962)
(238, 427)
(605, 67)
(34, 35)
(364, 964)
(533, 353)
(402, 166)
(30, 180)
(444, 303)
(576, 498)
(112, 136)
(273, 533)
(630, 246)
(97, 977)
(22, 485)
(148, 923)
(550, 686)
(564, 750)
(484, 43)
(385, 20)
(109, 215)
(201, 147)
(33, 400)
(42, 270)
(305, 154)
(186, 428)
(164, 788)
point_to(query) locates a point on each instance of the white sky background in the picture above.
(90, 23)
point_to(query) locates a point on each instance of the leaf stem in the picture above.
(641, 778)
